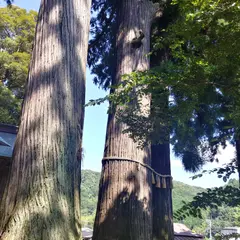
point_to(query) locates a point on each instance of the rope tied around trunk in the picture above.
(157, 179)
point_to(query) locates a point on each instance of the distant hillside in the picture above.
(183, 192)
(89, 194)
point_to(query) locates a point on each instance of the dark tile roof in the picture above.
(8, 128)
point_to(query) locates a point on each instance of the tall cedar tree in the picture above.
(188, 133)
(104, 69)
(42, 198)
(124, 203)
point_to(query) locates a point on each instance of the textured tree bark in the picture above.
(238, 158)
(41, 200)
(162, 197)
(124, 208)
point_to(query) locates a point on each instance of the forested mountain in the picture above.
(183, 192)
(225, 216)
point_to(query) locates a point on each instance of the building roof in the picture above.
(231, 228)
(8, 128)
(87, 233)
(4, 143)
(183, 232)
(8, 135)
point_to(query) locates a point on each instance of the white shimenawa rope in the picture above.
(136, 161)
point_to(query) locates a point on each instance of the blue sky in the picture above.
(95, 129)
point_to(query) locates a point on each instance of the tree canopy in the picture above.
(17, 29)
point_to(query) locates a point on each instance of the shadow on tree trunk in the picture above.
(125, 214)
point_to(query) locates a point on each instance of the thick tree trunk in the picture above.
(41, 200)
(124, 204)
(162, 197)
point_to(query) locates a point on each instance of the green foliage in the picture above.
(87, 221)
(221, 205)
(183, 193)
(225, 215)
(101, 50)
(17, 27)
(89, 192)
(9, 106)
(214, 198)
(223, 172)
(204, 42)
(205, 37)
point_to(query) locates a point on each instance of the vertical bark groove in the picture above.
(41, 200)
(124, 203)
